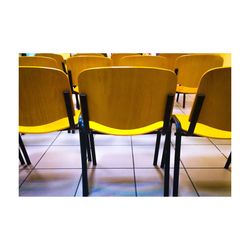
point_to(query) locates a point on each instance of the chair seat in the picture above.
(186, 90)
(76, 89)
(203, 130)
(50, 127)
(125, 132)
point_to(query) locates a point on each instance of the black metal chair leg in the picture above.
(157, 146)
(167, 146)
(25, 154)
(184, 100)
(77, 101)
(83, 145)
(21, 158)
(88, 148)
(92, 145)
(177, 98)
(228, 162)
(177, 163)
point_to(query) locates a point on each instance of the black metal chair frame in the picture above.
(179, 133)
(85, 131)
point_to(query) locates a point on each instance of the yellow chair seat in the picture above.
(50, 127)
(76, 89)
(125, 132)
(186, 90)
(203, 130)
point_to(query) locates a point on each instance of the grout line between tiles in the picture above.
(218, 148)
(78, 185)
(38, 161)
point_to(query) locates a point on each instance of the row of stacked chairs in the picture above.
(131, 100)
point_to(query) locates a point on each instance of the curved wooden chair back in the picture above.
(146, 61)
(57, 57)
(215, 85)
(117, 56)
(38, 61)
(88, 54)
(127, 97)
(77, 64)
(192, 67)
(41, 99)
(171, 59)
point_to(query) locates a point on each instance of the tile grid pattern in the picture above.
(124, 165)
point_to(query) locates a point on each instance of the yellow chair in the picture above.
(210, 115)
(77, 64)
(39, 61)
(121, 101)
(57, 57)
(171, 59)
(45, 102)
(190, 69)
(147, 61)
(117, 56)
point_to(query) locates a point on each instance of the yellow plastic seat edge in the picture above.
(51, 127)
(203, 130)
(186, 90)
(125, 132)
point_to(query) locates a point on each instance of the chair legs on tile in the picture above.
(157, 146)
(177, 98)
(83, 146)
(77, 101)
(228, 162)
(184, 100)
(23, 149)
(88, 144)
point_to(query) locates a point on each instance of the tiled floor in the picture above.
(124, 165)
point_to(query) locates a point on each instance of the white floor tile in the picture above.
(221, 141)
(149, 182)
(35, 153)
(110, 182)
(202, 156)
(23, 173)
(111, 140)
(144, 140)
(211, 182)
(39, 139)
(225, 149)
(114, 157)
(192, 140)
(51, 182)
(144, 156)
(67, 139)
(61, 157)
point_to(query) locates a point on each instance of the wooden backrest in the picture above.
(41, 99)
(147, 61)
(39, 61)
(88, 54)
(127, 97)
(215, 85)
(192, 67)
(77, 64)
(117, 56)
(171, 59)
(59, 58)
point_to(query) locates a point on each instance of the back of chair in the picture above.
(215, 85)
(146, 61)
(59, 58)
(41, 99)
(171, 59)
(192, 67)
(117, 56)
(88, 54)
(127, 97)
(77, 64)
(39, 61)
